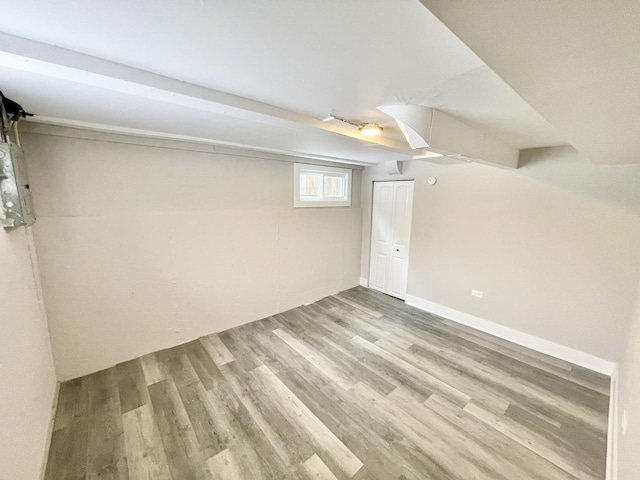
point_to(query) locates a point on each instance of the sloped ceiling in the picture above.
(576, 62)
(253, 74)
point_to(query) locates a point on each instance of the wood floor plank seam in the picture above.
(355, 386)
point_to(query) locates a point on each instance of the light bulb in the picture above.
(370, 130)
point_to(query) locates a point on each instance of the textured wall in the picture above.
(629, 400)
(554, 245)
(27, 375)
(143, 248)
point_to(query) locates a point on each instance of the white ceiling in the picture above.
(305, 57)
(577, 63)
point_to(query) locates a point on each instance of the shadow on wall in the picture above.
(565, 167)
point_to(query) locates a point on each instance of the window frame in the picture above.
(301, 168)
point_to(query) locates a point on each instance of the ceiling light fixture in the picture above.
(370, 129)
(366, 129)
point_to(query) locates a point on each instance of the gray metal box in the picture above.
(16, 208)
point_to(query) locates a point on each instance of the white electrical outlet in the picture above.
(624, 422)
(476, 293)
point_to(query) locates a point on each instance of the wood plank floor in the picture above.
(355, 386)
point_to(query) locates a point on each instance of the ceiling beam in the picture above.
(97, 131)
(431, 130)
(575, 62)
(51, 61)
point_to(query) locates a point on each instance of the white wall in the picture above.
(27, 375)
(554, 245)
(629, 399)
(142, 248)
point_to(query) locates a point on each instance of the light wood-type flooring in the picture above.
(355, 386)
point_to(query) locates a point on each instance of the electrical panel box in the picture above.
(15, 207)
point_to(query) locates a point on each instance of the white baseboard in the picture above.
(364, 282)
(612, 430)
(541, 345)
(547, 347)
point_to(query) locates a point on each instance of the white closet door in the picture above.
(381, 235)
(390, 233)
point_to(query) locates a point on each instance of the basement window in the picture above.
(317, 186)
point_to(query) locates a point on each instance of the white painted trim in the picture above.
(219, 146)
(612, 429)
(541, 345)
(299, 168)
(364, 282)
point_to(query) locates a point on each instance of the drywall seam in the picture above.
(541, 345)
(35, 270)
